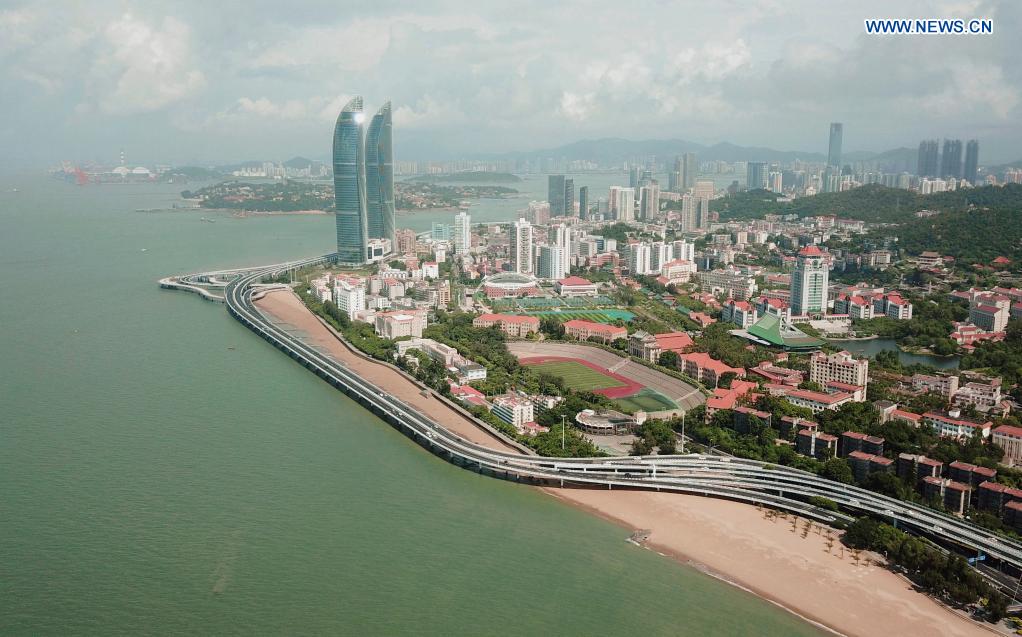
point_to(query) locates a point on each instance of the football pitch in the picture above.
(645, 400)
(599, 316)
(578, 376)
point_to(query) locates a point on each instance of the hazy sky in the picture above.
(206, 81)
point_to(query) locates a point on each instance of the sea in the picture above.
(163, 471)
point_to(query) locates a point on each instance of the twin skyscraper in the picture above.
(363, 184)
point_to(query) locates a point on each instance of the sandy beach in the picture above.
(732, 541)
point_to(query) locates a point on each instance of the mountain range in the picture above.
(614, 150)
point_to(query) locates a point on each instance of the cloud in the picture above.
(504, 76)
(145, 68)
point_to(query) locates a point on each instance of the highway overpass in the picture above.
(750, 481)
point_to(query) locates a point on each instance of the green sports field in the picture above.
(578, 376)
(599, 316)
(645, 400)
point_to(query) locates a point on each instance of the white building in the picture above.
(809, 282)
(551, 263)
(350, 297)
(841, 367)
(684, 250)
(622, 203)
(660, 254)
(514, 410)
(649, 202)
(521, 247)
(639, 257)
(462, 233)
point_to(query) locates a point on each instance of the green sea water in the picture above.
(164, 471)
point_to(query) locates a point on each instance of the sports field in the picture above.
(577, 375)
(645, 400)
(599, 316)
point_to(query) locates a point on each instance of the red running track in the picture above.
(630, 387)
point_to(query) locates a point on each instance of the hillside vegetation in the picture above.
(872, 203)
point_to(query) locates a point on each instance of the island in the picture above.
(317, 197)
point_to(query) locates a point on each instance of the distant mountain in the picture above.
(299, 163)
(614, 150)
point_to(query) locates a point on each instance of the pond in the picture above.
(871, 347)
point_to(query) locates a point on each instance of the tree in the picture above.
(838, 470)
(551, 327)
(669, 359)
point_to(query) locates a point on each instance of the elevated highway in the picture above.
(750, 481)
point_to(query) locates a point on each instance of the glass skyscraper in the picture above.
(834, 151)
(971, 161)
(350, 185)
(379, 172)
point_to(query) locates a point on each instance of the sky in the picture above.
(203, 82)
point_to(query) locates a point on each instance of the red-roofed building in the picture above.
(811, 251)
(575, 286)
(704, 320)
(857, 307)
(741, 313)
(1010, 439)
(907, 417)
(818, 401)
(728, 398)
(678, 271)
(778, 375)
(510, 324)
(650, 346)
(706, 369)
(468, 395)
(951, 425)
(584, 330)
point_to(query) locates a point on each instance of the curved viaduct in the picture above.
(738, 479)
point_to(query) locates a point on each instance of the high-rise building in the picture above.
(649, 201)
(971, 161)
(555, 194)
(440, 232)
(462, 233)
(809, 282)
(406, 239)
(569, 197)
(379, 172)
(684, 250)
(841, 367)
(521, 247)
(350, 185)
(928, 155)
(834, 152)
(622, 203)
(639, 257)
(350, 297)
(551, 263)
(583, 202)
(689, 171)
(560, 236)
(951, 160)
(633, 177)
(756, 175)
(659, 254)
(674, 180)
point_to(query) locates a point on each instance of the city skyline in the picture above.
(165, 89)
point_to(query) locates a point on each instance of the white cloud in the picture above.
(145, 68)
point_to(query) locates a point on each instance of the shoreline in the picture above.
(733, 542)
(687, 560)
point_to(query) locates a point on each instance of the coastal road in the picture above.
(738, 479)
